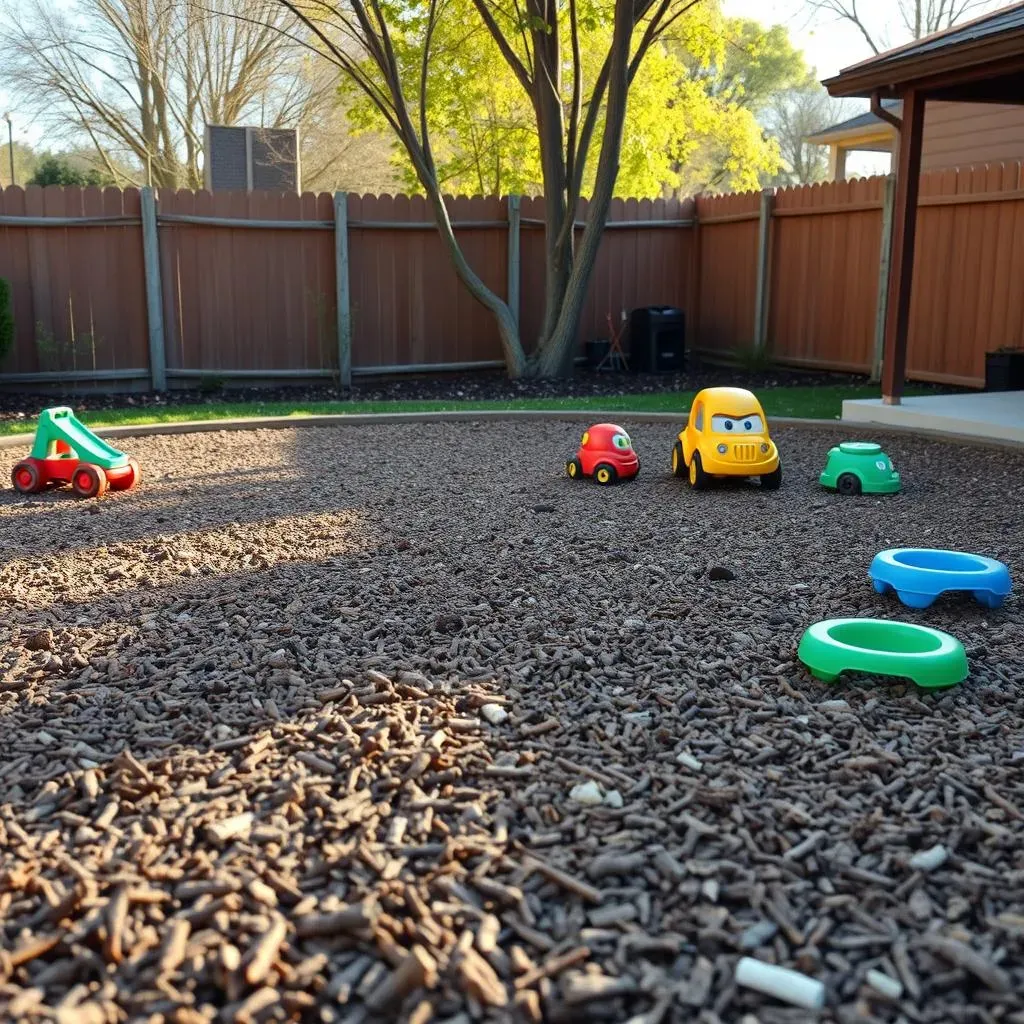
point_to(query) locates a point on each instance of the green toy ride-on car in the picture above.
(860, 467)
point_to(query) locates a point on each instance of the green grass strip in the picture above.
(801, 402)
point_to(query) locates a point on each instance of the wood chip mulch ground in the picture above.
(398, 723)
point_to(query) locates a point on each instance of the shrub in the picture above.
(6, 318)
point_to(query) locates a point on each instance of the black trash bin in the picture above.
(597, 349)
(657, 339)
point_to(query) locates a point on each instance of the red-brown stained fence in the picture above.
(247, 298)
(408, 305)
(823, 275)
(727, 268)
(79, 293)
(967, 297)
(825, 248)
(260, 298)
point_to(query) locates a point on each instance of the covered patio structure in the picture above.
(981, 61)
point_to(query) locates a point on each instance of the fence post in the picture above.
(513, 256)
(884, 263)
(154, 297)
(763, 284)
(341, 286)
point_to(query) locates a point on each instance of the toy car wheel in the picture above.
(605, 474)
(848, 484)
(678, 461)
(574, 469)
(126, 481)
(26, 478)
(772, 481)
(699, 480)
(89, 481)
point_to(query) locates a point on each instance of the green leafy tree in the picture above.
(756, 63)
(678, 132)
(58, 170)
(576, 64)
(791, 117)
(25, 160)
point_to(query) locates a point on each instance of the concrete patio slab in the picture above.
(998, 415)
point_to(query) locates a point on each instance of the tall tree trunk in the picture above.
(508, 331)
(547, 102)
(557, 356)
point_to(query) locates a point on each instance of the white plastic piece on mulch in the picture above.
(613, 798)
(790, 986)
(930, 859)
(884, 985)
(494, 713)
(587, 793)
(687, 760)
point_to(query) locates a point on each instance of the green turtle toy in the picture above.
(860, 467)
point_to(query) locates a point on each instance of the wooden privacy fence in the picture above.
(166, 286)
(801, 273)
(163, 287)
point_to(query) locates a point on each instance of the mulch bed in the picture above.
(308, 727)
(451, 387)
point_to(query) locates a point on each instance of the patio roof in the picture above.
(980, 61)
(866, 126)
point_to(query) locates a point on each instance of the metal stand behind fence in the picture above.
(615, 358)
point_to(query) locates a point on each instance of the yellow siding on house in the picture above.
(962, 134)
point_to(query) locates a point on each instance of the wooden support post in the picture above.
(837, 162)
(154, 291)
(514, 258)
(341, 289)
(884, 265)
(901, 272)
(763, 266)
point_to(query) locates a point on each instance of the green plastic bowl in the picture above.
(927, 656)
(860, 467)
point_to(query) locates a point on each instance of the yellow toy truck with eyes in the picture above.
(726, 435)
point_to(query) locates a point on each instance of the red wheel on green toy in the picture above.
(126, 478)
(26, 478)
(89, 481)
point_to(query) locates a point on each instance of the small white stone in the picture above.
(833, 705)
(781, 982)
(494, 713)
(931, 859)
(587, 793)
(687, 760)
(613, 798)
(884, 985)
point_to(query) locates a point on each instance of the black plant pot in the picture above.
(1004, 371)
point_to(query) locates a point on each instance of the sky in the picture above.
(829, 44)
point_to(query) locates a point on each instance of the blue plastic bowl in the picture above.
(920, 575)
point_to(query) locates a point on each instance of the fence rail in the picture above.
(166, 287)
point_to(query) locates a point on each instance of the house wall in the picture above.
(962, 134)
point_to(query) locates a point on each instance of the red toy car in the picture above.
(606, 453)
